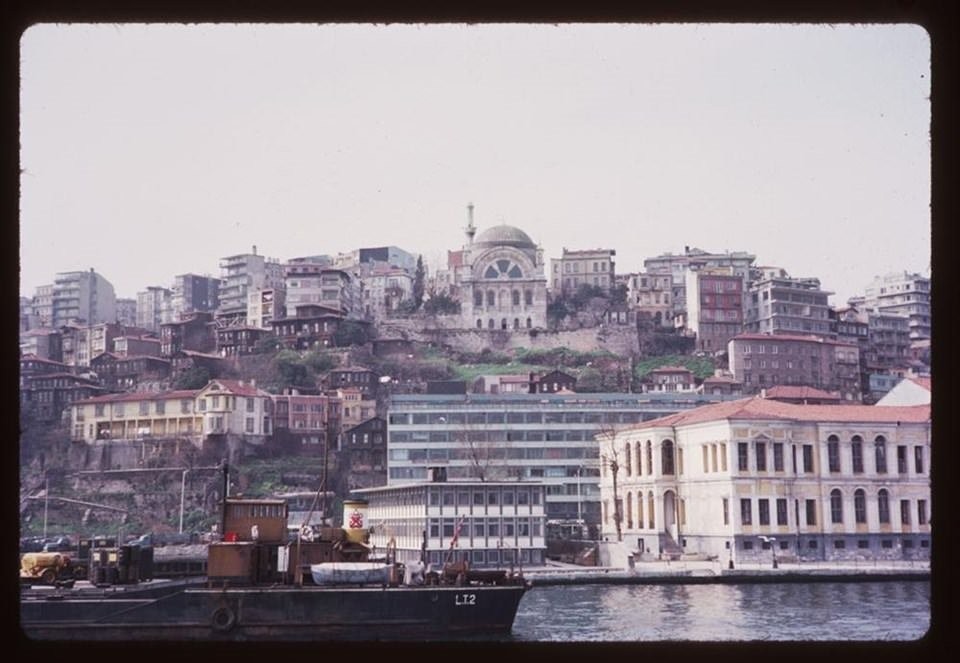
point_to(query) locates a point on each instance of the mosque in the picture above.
(500, 279)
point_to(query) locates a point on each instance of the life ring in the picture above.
(223, 619)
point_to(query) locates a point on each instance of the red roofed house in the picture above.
(801, 395)
(820, 482)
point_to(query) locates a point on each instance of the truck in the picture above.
(49, 568)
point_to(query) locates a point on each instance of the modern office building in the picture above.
(542, 437)
(488, 524)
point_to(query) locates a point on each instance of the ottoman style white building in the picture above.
(733, 480)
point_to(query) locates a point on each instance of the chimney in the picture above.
(253, 382)
(763, 393)
(254, 249)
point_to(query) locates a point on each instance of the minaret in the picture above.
(470, 229)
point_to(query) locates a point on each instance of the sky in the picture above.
(149, 151)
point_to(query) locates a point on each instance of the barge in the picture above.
(259, 586)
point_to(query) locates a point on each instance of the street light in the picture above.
(771, 540)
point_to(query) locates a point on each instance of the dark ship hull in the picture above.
(185, 611)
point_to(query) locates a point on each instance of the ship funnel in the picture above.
(355, 520)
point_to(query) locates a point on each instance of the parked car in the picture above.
(59, 544)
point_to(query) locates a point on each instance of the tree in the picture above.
(441, 303)
(611, 460)
(618, 295)
(350, 333)
(418, 282)
(293, 372)
(192, 378)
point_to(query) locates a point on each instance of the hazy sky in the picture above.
(151, 151)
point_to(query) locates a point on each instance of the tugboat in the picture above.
(260, 586)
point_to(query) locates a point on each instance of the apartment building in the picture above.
(240, 275)
(192, 293)
(42, 342)
(127, 311)
(676, 266)
(751, 479)
(193, 332)
(310, 421)
(151, 304)
(670, 379)
(714, 307)
(81, 343)
(85, 297)
(384, 288)
(572, 269)
(544, 437)
(785, 305)
(312, 326)
(264, 306)
(487, 524)
(766, 360)
(651, 295)
(41, 306)
(902, 293)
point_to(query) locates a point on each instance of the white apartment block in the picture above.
(594, 267)
(151, 304)
(905, 294)
(82, 296)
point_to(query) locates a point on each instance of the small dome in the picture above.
(504, 235)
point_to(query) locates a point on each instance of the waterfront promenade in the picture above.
(703, 572)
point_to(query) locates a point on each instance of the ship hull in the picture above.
(275, 613)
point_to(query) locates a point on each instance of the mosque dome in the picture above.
(504, 235)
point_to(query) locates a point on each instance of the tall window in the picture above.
(880, 454)
(629, 510)
(650, 518)
(478, 298)
(666, 457)
(649, 458)
(901, 459)
(808, 458)
(640, 510)
(764, 511)
(628, 466)
(742, 458)
(921, 512)
(905, 512)
(491, 298)
(637, 449)
(833, 453)
(515, 296)
(811, 507)
(746, 514)
(918, 459)
(726, 511)
(781, 511)
(836, 506)
(883, 505)
(761, 448)
(856, 454)
(860, 505)
(778, 456)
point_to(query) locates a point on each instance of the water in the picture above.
(791, 611)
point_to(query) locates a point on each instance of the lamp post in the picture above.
(773, 549)
(183, 486)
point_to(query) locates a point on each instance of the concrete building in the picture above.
(488, 524)
(264, 306)
(127, 311)
(785, 305)
(151, 304)
(765, 360)
(192, 293)
(753, 478)
(81, 343)
(389, 255)
(572, 269)
(676, 267)
(41, 306)
(43, 343)
(195, 332)
(384, 288)
(902, 293)
(240, 275)
(652, 295)
(310, 421)
(548, 437)
(84, 297)
(310, 281)
(714, 307)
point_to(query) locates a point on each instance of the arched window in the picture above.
(649, 459)
(666, 457)
(640, 510)
(860, 505)
(478, 298)
(516, 323)
(880, 454)
(528, 297)
(479, 323)
(626, 460)
(637, 450)
(629, 510)
(491, 298)
(529, 323)
(883, 506)
(490, 323)
(650, 521)
(515, 295)
(503, 323)
(833, 453)
(856, 454)
(836, 506)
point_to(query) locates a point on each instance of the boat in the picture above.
(262, 586)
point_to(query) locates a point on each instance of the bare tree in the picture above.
(610, 458)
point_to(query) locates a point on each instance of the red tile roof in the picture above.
(140, 396)
(757, 408)
(239, 388)
(796, 391)
(790, 337)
